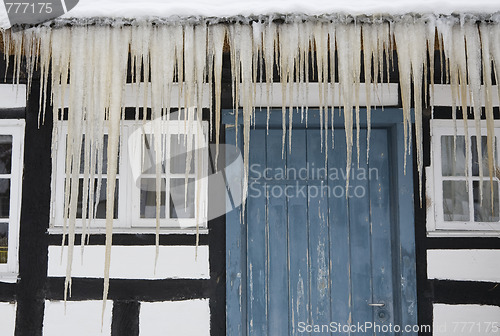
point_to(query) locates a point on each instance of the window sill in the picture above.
(166, 231)
(8, 277)
(449, 233)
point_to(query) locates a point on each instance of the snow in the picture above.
(134, 9)
(227, 8)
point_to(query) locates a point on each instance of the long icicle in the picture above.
(119, 46)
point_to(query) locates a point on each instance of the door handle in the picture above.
(377, 304)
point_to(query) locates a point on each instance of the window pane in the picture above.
(100, 210)
(5, 154)
(450, 165)
(4, 242)
(178, 154)
(104, 156)
(149, 155)
(179, 208)
(484, 151)
(148, 198)
(4, 198)
(455, 201)
(483, 212)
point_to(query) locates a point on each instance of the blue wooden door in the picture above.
(315, 255)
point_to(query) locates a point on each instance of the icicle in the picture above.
(403, 49)
(189, 95)
(218, 33)
(156, 117)
(241, 57)
(486, 35)
(74, 140)
(473, 47)
(17, 43)
(418, 56)
(320, 35)
(139, 52)
(257, 44)
(369, 51)
(332, 47)
(288, 51)
(459, 56)
(348, 45)
(97, 61)
(294, 46)
(306, 40)
(119, 48)
(88, 122)
(45, 55)
(431, 42)
(412, 48)
(495, 55)
(269, 37)
(200, 45)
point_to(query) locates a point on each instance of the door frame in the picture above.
(402, 198)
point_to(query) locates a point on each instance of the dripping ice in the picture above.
(88, 68)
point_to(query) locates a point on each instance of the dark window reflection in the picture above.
(4, 242)
(5, 154)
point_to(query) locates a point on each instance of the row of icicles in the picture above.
(94, 61)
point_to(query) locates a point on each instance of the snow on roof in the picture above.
(134, 9)
(225, 8)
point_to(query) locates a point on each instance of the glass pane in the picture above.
(4, 198)
(484, 151)
(104, 156)
(178, 154)
(455, 201)
(453, 165)
(4, 242)
(483, 212)
(179, 208)
(149, 155)
(148, 198)
(100, 207)
(5, 154)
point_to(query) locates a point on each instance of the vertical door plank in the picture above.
(296, 189)
(339, 232)
(278, 319)
(319, 244)
(256, 238)
(235, 256)
(406, 235)
(359, 214)
(380, 209)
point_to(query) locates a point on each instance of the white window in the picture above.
(11, 169)
(135, 202)
(454, 199)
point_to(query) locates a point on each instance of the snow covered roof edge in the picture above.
(160, 11)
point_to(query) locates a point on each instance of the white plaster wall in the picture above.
(7, 319)
(472, 265)
(473, 320)
(133, 262)
(12, 96)
(443, 97)
(179, 318)
(81, 318)
(130, 96)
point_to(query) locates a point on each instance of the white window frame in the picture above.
(436, 225)
(15, 128)
(129, 220)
